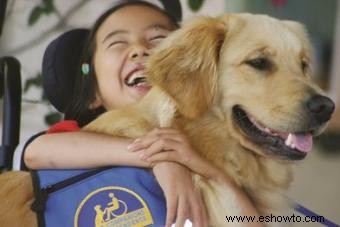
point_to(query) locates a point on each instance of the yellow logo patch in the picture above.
(112, 206)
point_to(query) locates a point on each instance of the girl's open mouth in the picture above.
(136, 79)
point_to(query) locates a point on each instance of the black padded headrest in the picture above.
(60, 65)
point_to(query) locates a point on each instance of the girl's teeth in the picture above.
(134, 76)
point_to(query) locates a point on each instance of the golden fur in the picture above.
(199, 73)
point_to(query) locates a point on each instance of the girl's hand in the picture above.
(183, 200)
(165, 144)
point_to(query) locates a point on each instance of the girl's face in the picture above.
(123, 43)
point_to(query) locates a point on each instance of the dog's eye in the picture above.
(262, 64)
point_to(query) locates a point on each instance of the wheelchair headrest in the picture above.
(60, 65)
(61, 61)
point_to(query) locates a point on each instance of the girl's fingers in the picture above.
(199, 213)
(142, 143)
(196, 214)
(171, 208)
(169, 150)
(154, 135)
(182, 213)
(159, 146)
(170, 156)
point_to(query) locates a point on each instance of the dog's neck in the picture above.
(259, 175)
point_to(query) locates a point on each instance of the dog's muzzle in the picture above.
(287, 145)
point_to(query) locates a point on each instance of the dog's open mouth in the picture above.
(286, 145)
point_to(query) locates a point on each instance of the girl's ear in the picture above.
(185, 64)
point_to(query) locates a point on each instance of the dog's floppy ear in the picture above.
(185, 64)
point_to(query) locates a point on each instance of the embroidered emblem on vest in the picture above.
(112, 206)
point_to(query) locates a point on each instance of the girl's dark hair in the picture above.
(85, 85)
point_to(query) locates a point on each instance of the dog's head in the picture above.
(255, 70)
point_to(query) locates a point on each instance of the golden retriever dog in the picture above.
(239, 86)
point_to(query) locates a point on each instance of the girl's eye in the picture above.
(157, 38)
(116, 43)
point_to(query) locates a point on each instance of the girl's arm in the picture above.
(79, 150)
(87, 150)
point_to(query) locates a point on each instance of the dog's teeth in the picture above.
(286, 142)
(267, 130)
(289, 140)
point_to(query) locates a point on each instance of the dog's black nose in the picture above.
(321, 108)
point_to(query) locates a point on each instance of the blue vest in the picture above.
(105, 197)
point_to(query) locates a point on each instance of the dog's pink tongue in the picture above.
(301, 142)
